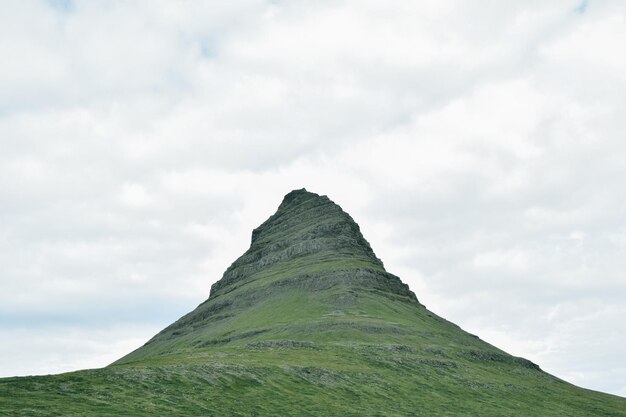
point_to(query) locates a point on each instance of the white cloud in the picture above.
(57, 348)
(507, 260)
(480, 148)
(135, 195)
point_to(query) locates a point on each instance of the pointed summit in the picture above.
(308, 227)
(297, 197)
(309, 246)
(305, 216)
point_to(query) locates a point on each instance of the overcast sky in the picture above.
(479, 144)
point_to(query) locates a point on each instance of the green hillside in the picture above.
(308, 322)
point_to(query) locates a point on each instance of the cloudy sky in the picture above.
(479, 144)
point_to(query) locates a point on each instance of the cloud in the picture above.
(480, 149)
(56, 348)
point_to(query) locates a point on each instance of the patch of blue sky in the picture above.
(582, 7)
(65, 6)
(207, 48)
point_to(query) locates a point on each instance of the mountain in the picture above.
(308, 322)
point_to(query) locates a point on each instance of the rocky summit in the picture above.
(307, 322)
(310, 261)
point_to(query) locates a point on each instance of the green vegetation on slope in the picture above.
(308, 322)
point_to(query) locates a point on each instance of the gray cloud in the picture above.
(480, 148)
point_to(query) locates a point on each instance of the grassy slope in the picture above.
(376, 357)
(324, 331)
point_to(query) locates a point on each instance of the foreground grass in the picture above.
(371, 380)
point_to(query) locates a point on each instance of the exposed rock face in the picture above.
(305, 225)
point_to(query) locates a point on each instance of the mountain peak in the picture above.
(306, 226)
(309, 245)
(304, 215)
(299, 195)
(294, 204)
